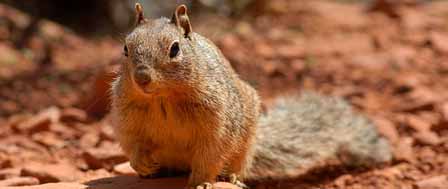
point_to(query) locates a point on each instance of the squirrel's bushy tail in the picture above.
(311, 132)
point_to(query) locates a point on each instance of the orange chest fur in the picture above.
(171, 125)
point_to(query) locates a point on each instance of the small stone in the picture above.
(438, 182)
(73, 114)
(9, 173)
(341, 181)
(64, 131)
(14, 120)
(445, 111)
(387, 129)
(49, 139)
(389, 173)
(62, 171)
(403, 151)
(124, 169)
(89, 140)
(428, 138)
(107, 131)
(264, 50)
(105, 156)
(291, 51)
(19, 181)
(39, 122)
(418, 124)
(439, 42)
(5, 162)
(95, 175)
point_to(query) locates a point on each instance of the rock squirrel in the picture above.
(178, 104)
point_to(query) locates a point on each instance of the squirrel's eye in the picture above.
(125, 51)
(174, 49)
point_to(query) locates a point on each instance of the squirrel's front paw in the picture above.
(205, 185)
(233, 178)
(144, 168)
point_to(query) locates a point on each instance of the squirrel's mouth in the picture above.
(148, 89)
(145, 88)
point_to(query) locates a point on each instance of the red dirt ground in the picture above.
(391, 64)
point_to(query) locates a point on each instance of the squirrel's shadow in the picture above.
(134, 182)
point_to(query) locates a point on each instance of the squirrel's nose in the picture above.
(142, 75)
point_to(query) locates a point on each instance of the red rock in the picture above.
(62, 171)
(39, 122)
(104, 157)
(438, 182)
(414, 20)
(124, 169)
(73, 114)
(403, 150)
(425, 95)
(19, 181)
(52, 186)
(106, 131)
(230, 41)
(94, 175)
(291, 51)
(325, 19)
(270, 68)
(64, 131)
(264, 50)
(89, 140)
(445, 111)
(21, 144)
(432, 117)
(340, 182)
(14, 120)
(426, 154)
(415, 107)
(403, 54)
(428, 138)
(298, 65)
(439, 42)
(418, 124)
(389, 173)
(387, 129)
(5, 162)
(48, 139)
(9, 173)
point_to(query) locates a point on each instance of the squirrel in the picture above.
(178, 104)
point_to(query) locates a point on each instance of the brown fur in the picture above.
(186, 121)
(196, 114)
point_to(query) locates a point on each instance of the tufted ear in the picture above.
(139, 18)
(181, 20)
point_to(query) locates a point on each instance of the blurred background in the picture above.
(389, 58)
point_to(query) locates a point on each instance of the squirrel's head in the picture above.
(157, 52)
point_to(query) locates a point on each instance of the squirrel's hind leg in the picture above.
(207, 163)
(235, 168)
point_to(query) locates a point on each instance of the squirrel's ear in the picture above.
(139, 18)
(180, 19)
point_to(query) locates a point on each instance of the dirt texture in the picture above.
(389, 60)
